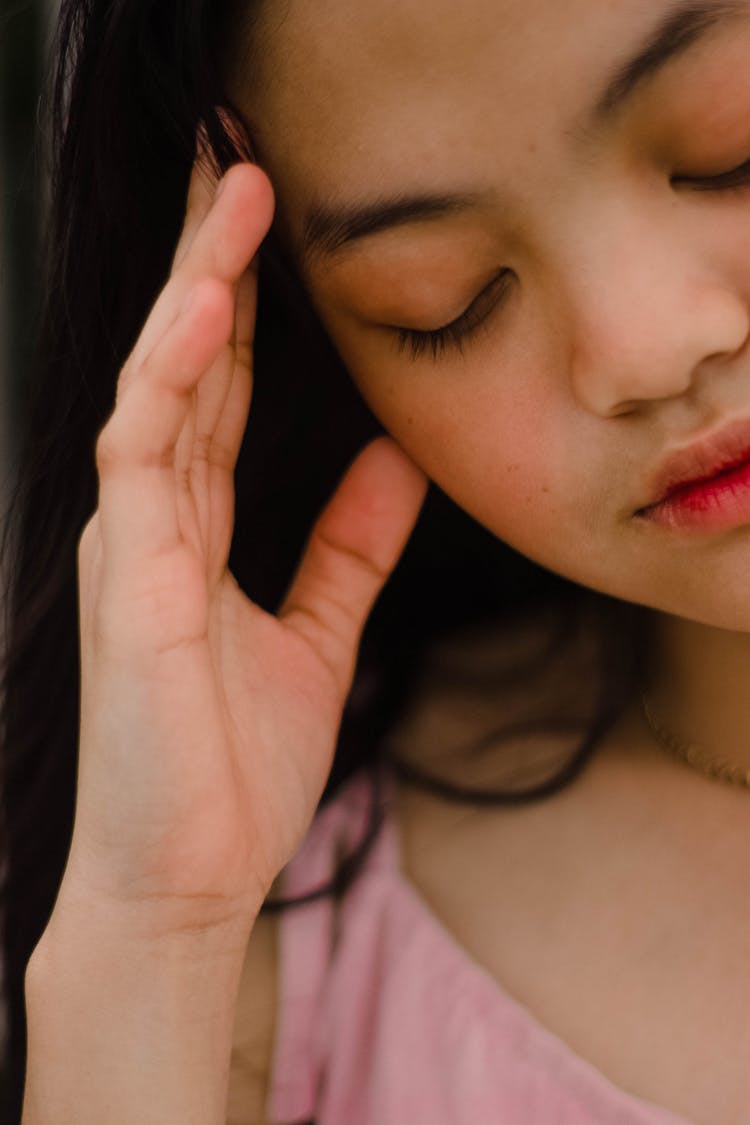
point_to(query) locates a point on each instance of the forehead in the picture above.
(346, 94)
(342, 76)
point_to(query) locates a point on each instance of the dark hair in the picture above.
(128, 84)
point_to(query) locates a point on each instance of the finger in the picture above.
(224, 244)
(197, 452)
(208, 447)
(232, 230)
(135, 451)
(229, 428)
(353, 548)
(204, 182)
(200, 196)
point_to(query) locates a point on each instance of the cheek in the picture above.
(497, 451)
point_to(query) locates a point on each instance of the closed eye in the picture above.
(454, 335)
(724, 181)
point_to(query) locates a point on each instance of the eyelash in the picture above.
(733, 180)
(454, 335)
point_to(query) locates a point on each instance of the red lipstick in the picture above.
(704, 486)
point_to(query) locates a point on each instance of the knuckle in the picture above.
(124, 379)
(107, 451)
(329, 610)
(331, 649)
(356, 561)
(207, 450)
(222, 457)
(183, 479)
(203, 448)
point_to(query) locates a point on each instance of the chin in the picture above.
(713, 604)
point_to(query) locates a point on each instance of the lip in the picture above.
(705, 485)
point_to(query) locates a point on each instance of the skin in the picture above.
(208, 727)
(623, 333)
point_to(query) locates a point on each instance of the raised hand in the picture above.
(207, 725)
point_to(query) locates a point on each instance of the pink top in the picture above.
(384, 1018)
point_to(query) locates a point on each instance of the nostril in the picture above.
(624, 409)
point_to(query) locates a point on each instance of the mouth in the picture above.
(704, 486)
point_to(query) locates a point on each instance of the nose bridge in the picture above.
(648, 310)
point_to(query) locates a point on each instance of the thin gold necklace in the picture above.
(693, 754)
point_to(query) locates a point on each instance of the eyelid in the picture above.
(461, 327)
(721, 181)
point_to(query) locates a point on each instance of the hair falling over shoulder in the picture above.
(128, 84)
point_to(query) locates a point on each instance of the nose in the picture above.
(650, 320)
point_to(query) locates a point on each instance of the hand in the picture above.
(208, 726)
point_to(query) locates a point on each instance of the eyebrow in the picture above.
(677, 32)
(329, 228)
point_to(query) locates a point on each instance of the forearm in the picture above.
(123, 1029)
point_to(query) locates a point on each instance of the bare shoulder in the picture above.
(254, 1026)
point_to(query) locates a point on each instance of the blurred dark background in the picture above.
(23, 45)
(24, 28)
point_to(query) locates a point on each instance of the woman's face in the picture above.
(550, 180)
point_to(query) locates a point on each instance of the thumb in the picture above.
(355, 544)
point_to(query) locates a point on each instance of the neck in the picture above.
(699, 686)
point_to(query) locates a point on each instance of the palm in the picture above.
(282, 709)
(207, 725)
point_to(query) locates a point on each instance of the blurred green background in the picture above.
(24, 28)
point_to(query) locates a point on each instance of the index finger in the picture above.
(200, 196)
(223, 246)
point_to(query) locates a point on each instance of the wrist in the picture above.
(183, 920)
(126, 1023)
